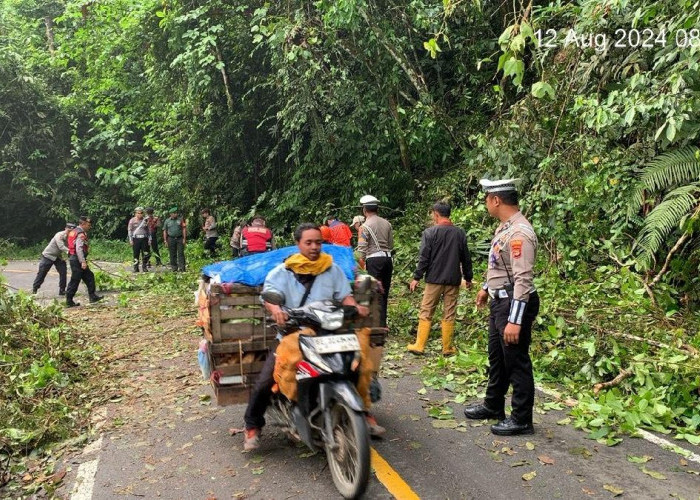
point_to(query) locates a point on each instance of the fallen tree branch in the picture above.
(616, 381)
(122, 356)
(684, 347)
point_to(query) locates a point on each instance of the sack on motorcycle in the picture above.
(289, 354)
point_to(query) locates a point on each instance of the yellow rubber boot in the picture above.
(421, 337)
(448, 332)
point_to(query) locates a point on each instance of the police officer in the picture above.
(52, 256)
(210, 232)
(78, 249)
(514, 306)
(138, 232)
(374, 246)
(256, 237)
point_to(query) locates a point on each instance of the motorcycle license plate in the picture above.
(336, 343)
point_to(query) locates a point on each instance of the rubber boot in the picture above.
(421, 337)
(448, 332)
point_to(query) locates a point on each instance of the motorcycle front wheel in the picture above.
(349, 462)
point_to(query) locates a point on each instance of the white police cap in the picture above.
(368, 199)
(499, 186)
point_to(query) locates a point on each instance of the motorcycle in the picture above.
(328, 413)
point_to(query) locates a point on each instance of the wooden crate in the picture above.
(240, 340)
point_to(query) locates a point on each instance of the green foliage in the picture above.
(679, 172)
(44, 365)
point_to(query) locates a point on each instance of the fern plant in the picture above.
(679, 172)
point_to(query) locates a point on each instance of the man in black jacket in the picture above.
(443, 251)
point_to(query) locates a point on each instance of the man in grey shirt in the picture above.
(375, 245)
(53, 256)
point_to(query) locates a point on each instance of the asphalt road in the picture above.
(193, 456)
(182, 449)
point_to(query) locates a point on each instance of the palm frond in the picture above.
(667, 171)
(665, 218)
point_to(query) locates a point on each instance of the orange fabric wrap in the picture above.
(204, 317)
(289, 354)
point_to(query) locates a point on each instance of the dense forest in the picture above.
(290, 108)
(293, 109)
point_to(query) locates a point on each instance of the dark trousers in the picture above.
(154, 249)
(176, 249)
(77, 273)
(44, 268)
(511, 364)
(261, 395)
(210, 245)
(235, 252)
(381, 268)
(141, 252)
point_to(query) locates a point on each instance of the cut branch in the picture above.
(612, 383)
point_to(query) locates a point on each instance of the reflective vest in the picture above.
(256, 239)
(72, 236)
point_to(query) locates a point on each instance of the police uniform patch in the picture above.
(516, 248)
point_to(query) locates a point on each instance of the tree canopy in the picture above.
(293, 108)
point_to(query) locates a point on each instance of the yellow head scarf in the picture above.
(299, 264)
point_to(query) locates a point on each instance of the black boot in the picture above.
(62, 291)
(136, 268)
(482, 412)
(510, 427)
(95, 298)
(70, 303)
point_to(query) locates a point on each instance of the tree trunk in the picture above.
(48, 22)
(403, 147)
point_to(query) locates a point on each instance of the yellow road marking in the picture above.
(391, 479)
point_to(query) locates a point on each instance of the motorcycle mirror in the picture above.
(273, 297)
(363, 284)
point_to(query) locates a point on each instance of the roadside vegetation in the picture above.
(60, 368)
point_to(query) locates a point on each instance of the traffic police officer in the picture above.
(514, 306)
(78, 249)
(374, 246)
(138, 232)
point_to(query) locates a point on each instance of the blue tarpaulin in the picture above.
(252, 269)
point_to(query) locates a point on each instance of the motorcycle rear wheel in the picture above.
(350, 462)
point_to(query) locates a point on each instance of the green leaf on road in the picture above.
(580, 450)
(257, 471)
(257, 459)
(520, 463)
(613, 489)
(639, 460)
(530, 446)
(445, 424)
(530, 475)
(653, 473)
(564, 421)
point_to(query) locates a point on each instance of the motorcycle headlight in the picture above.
(314, 357)
(330, 320)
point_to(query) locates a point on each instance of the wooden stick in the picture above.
(616, 381)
